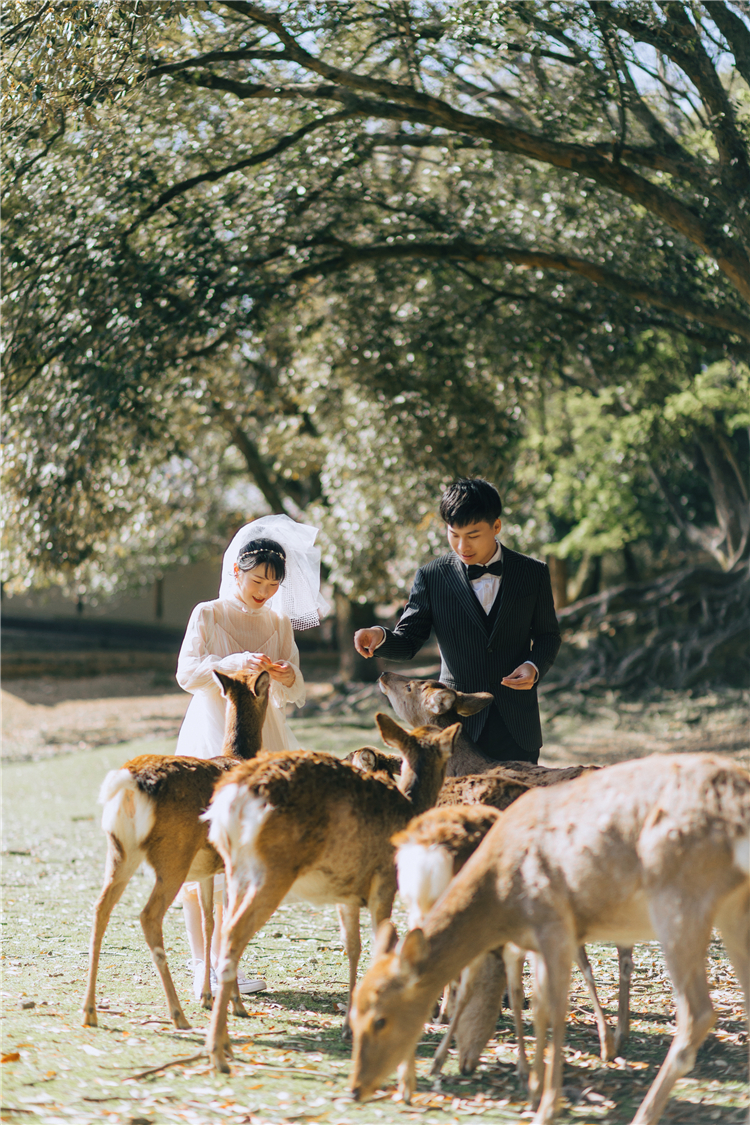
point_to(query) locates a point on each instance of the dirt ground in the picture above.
(48, 716)
(61, 737)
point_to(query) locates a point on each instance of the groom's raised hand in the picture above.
(367, 640)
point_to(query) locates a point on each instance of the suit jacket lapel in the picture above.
(509, 587)
(459, 583)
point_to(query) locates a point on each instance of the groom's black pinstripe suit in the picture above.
(477, 650)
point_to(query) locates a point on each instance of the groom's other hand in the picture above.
(522, 678)
(367, 640)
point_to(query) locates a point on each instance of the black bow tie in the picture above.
(495, 568)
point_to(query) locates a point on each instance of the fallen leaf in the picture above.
(12, 1056)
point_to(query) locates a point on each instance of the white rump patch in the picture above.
(741, 853)
(128, 813)
(235, 816)
(423, 875)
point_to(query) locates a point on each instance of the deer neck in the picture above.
(420, 782)
(466, 923)
(243, 727)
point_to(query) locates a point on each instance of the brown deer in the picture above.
(152, 813)
(310, 827)
(421, 702)
(657, 848)
(429, 852)
(497, 787)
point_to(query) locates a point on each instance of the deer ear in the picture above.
(469, 704)
(364, 759)
(392, 734)
(439, 700)
(262, 684)
(447, 739)
(385, 940)
(223, 681)
(412, 951)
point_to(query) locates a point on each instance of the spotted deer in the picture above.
(657, 848)
(308, 827)
(152, 813)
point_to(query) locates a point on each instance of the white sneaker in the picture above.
(246, 985)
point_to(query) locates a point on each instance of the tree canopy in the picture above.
(348, 251)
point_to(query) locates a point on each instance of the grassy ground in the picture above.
(291, 1064)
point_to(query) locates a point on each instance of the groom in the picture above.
(494, 618)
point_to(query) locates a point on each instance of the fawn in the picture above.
(653, 848)
(152, 810)
(310, 827)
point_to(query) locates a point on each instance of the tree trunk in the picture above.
(351, 616)
(730, 499)
(558, 572)
(588, 578)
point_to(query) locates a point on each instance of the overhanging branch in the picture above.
(725, 319)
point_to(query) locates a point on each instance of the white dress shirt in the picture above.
(487, 586)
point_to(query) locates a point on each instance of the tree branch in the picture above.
(726, 319)
(411, 105)
(734, 31)
(249, 450)
(210, 177)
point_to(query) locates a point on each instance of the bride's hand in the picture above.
(258, 662)
(283, 672)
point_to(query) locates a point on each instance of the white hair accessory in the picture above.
(298, 596)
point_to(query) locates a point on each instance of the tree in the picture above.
(227, 204)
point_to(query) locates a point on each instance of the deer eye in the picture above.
(379, 1024)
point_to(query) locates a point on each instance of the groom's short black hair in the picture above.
(469, 501)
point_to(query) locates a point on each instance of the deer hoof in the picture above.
(239, 1008)
(207, 1001)
(178, 1019)
(608, 1050)
(89, 1018)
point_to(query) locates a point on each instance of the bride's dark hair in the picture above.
(260, 552)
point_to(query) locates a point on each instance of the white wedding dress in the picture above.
(219, 636)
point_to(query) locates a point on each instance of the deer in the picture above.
(498, 787)
(152, 810)
(429, 852)
(420, 702)
(657, 848)
(305, 826)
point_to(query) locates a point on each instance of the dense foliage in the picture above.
(346, 251)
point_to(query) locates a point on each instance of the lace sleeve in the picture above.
(288, 651)
(196, 662)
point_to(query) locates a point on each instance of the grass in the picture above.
(290, 1061)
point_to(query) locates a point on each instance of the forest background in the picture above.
(345, 252)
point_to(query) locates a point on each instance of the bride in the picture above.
(270, 584)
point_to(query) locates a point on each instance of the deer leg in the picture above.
(625, 963)
(350, 935)
(733, 923)
(684, 943)
(118, 872)
(479, 1017)
(407, 1079)
(244, 917)
(553, 967)
(206, 892)
(514, 959)
(463, 995)
(606, 1038)
(152, 918)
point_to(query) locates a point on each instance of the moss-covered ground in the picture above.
(290, 1061)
